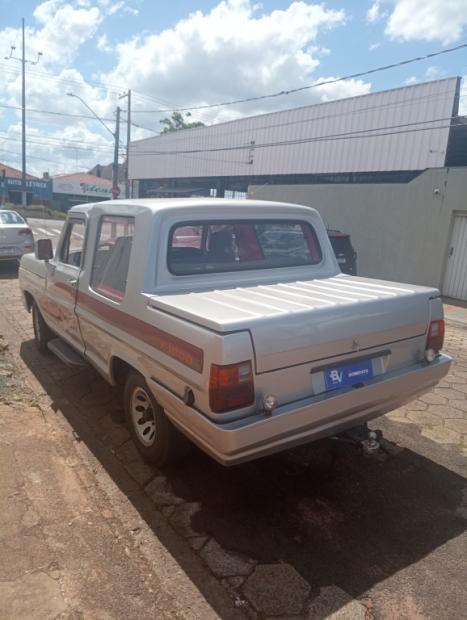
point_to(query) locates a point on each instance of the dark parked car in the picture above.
(345, 254)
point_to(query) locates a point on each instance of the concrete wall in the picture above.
(401, 232)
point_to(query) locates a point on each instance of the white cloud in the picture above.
(434, 73)
(428, 20)
(374, 46)
(234, 51)
(103, 44)
(64, 29)
(339, 90)
(59, 30)
(374, 12)
(111, 7)
(411, 80)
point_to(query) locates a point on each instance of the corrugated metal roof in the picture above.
(401, 129)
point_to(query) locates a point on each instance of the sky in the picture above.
(189, 53)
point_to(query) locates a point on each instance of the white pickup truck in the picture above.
(229, 323)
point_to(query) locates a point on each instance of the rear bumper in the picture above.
(305, 420)
(18, 252)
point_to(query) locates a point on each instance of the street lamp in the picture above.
(116, 136)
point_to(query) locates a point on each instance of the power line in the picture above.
(54, 139)
(61, 146)
(15, 154)
(110, 88)
(311, 86)
(57, 78)
(364, 133)
(53, 113)
(235, 130)
(72, 115)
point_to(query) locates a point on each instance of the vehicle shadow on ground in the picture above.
(352, 524)
(9, 269)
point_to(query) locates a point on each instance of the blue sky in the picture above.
(189, 53)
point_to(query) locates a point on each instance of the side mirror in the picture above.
(44, 249)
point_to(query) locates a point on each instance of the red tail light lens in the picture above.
(435, 337)
(231, 387)
(25, 231)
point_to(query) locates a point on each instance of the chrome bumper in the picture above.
(305, 420)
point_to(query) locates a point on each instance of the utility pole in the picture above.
(115, 188)
(24, 196)
(128, 139)
(116, 136)
(23, 62)
(3, 187)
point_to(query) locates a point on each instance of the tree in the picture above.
(177, 121)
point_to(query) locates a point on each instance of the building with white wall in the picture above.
(385, 162)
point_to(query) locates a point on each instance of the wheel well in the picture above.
(29, 299)
(119, 370)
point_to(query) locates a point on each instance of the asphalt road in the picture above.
(43, 229)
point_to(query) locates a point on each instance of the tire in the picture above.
(42, 332)
(154, 435)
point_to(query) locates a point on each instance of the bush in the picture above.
(59, 215)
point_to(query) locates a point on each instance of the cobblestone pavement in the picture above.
(441, 415)
(320, 532)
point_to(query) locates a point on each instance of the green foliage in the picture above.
(59, 215)
(177, 122)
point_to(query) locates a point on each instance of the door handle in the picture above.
(451, 252)
(72, 281)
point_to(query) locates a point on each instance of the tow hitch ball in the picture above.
(361, 435)
(371, 444)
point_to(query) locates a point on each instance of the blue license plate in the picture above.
(9, 251)
(349, 374)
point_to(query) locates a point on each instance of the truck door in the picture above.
(62, 283)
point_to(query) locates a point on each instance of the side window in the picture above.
(71, 252)
(112, 256)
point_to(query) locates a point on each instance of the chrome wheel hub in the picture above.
(143, 418)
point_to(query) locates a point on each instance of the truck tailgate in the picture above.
(293, 323)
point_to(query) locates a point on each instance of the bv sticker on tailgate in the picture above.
(348, 375)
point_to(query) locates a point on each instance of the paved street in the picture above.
(343, 536)
(43, 229)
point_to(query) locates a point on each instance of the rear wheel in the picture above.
(156, 438)
(42, 332)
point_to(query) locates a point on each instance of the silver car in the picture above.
(16, 237)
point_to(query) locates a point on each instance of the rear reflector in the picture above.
(435, 336)
(231, 387)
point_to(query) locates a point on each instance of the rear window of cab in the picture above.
(236, 245)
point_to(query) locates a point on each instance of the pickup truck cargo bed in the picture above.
(359, 313)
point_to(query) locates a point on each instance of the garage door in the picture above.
(455, 279)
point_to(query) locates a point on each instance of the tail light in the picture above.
(25, 231)
(435, 336)
(231, 387)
